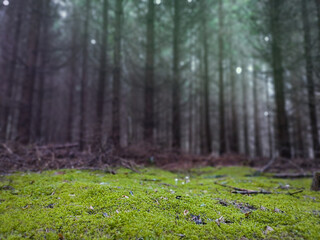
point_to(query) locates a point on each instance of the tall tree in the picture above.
(26, 106)
(245, 112)
(12, 71)
(310, 83)
(206, 85)
(222, 134)
(149, 77)
(176, 142)
(84, 76)
(257, 137)
(102, 71)
(117, 75)
(283, 139)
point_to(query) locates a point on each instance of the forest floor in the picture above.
(199, 203)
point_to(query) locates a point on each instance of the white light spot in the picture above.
(93, 41)
(5, 2)
(189, 1)
(158, 2)
(239, 70)
(250, 68)
(63, 13)
(266, 38)
(266, 114)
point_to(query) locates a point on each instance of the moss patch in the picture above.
(155, 204)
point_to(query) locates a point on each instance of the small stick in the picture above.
(242, 190)
(299, 191)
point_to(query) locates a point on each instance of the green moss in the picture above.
(74, 204)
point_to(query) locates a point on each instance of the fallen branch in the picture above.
(292, 193)
(292, 175)
(242, 190)
(248, 192)
(60, 146)
(7, 148)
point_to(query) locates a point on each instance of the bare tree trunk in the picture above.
(270, 142)
(310, 83)
(257, 136)
(176, 78)
(84, 77)
(234, 144)
(11, 74)
(149, 77)
(222, 133)
(245, 113)
(26, 106)
(102, 72)
(206, 84)
(117, 76)
(72, 77)
(283, 139)
(42, 73)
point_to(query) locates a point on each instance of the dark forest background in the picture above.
(200, 76)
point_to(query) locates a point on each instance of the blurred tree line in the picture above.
(203, 76)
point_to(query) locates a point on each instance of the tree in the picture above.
(310, 83)
(102, 71)
(26, 106)
(222, 134)
(176, 124)
(149, 77)
(283, 139)
(84, 76)
(117, 75)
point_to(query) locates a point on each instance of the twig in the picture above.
(242, 190)
(248, 192)
(292, 193)
(292, 175)
(7, 148)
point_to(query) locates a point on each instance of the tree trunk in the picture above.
(26, 106)
(283, 139)
(149, 77)
(84, 76)
(222, 134)
(270, 142)
(117, 76)
(245, 112)
(176, 78)
(206, 84)
(72, 77)
(257, 139)
(234, 144)
(102, 72)
(42, 73)
(310, 83)
(11, 74)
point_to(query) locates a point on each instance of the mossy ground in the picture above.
(73, 204)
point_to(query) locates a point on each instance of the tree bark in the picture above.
(283, 139)
(222, 134)
(117, 76)
(310, 83)
(12, 73)
(149, 77)
(176, 78)
(102, 72)
(234, 144)
(84, 77)
(245, 112)
(206, 83)
(257, 136)
(26, 106)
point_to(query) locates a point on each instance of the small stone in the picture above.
(268, 229)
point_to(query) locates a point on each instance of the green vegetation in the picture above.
(155, 204)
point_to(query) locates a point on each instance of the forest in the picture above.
(203, 77)
(199, 119)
